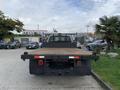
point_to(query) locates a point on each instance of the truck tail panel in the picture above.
(57, 64)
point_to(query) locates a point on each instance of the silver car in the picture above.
(96, 43)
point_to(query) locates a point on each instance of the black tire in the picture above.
(13, 47)
(34, 68)
(19, 46)
(88, 47)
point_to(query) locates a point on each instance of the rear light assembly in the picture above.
(78, 63)
(40, 62)
(74, 57)
(39, 57)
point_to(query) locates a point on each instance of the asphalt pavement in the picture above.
(14, 75)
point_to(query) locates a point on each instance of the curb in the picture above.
(100, 81)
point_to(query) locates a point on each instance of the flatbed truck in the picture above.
(59, 55)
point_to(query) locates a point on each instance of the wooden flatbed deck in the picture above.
(61, 51)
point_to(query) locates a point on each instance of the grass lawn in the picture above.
(109, 69)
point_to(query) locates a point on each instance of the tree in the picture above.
(1, 14)
(7, 25)
(109, 27)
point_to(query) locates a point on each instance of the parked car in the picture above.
(24, 43)
(32, 45)
(13, 45)
(40, 44)
(97, 43)
(78, 45)
(2, 45)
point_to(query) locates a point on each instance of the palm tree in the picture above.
(1, 14)
(109, 28)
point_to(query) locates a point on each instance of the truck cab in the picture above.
(60, 41)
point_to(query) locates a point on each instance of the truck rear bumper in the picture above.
(71, 71)
(31, 57)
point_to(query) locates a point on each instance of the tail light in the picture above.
(74, 57)
(40, 62)
(39, 57)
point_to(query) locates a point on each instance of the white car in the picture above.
(96, 43)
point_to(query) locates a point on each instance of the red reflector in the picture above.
(78, 62)
(40, 62)
(77, 57)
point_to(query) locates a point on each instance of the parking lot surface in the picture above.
(14, 75)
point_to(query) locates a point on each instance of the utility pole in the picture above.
(87, 28)
(54, 30)
(38, 26)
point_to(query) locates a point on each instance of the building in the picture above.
(25, 39)
(30, 35)
(34, 32)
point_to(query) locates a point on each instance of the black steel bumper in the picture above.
(27, 56)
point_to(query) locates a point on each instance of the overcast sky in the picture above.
(64, 15)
